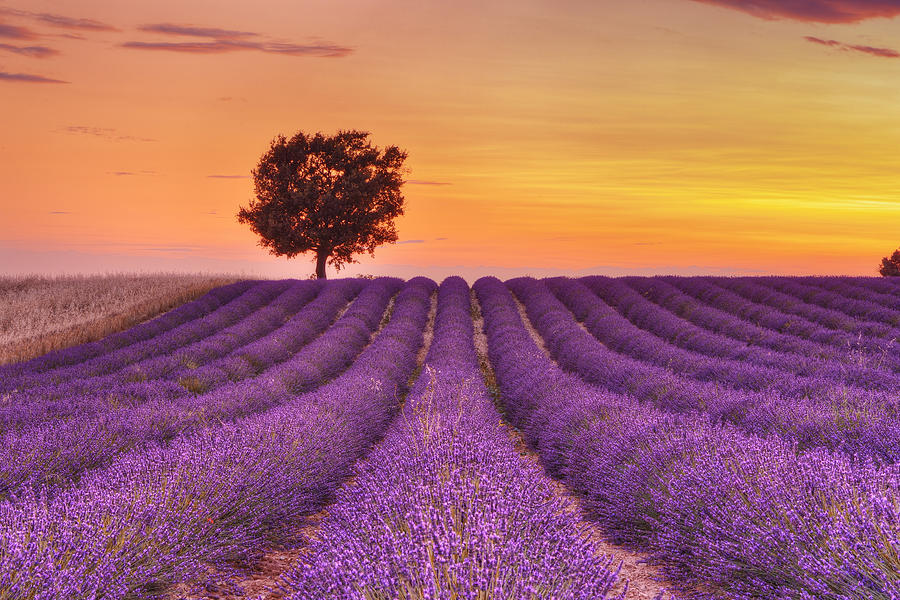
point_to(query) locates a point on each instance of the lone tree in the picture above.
(890, 266)
(335, 196)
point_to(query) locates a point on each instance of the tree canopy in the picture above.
(335, 196)
(890, 265)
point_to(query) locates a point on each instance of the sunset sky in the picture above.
(544, 137)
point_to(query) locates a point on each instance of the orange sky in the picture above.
(543, 136)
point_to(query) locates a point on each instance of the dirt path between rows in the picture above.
(263, 582)
(645, 581)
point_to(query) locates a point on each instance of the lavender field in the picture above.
(381, 439)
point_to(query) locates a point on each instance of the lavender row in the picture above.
(175, 379)
(101, 394)
(882, 285)
(628, 352)
(215, 498)
(182, 361)
(444, 507)
(77, 354)
(653, 325)
(753, 290)
(864, 350)
(662, 291)
(852, 287)
(53, 454)
(866, 311)
(863, 422)
(260, 294)
(740, 516)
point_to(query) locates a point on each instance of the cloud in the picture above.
(28, 78)
(815, 40)
(412, 242)
(441, 239)
(69, 36)
(62, 21)
(105, 132)
(33, 51)
(121, 173)
(321, 50)
(14, 32)
(59, 212)
(227, 45)
(214, 47)
(421, 182)
(819, 11)
(227, 176)
(73, 22)
(173, 248)
(193, 31)
(215, 40)
(882, 52)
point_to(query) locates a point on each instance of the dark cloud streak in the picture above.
(193, 31)
(105, 132)
(14, 32)
(28, 78)
(871, 50)
(818, 11)
(61, 21)
(73, 22)
(32, 51)
(223, 46)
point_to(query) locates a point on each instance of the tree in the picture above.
(335, 196)
(890, 266)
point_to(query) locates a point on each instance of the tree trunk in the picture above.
(321, 257)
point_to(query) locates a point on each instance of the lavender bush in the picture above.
(445, 507)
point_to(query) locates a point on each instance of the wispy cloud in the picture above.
(15, 32)
(105, 132)
(223, 46)
(322, 50)
(130, 173)
(33, 51)
(819, 11)
(59, 212)
(214, 47)
(73, 22)
(412, 242)
(194, 31)
(216, 40)
(227, 176)
(440, 239)
(69, 36)
(28, 78)
(871, 50)
(62, 21)
(173, 248)
(421, 182)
